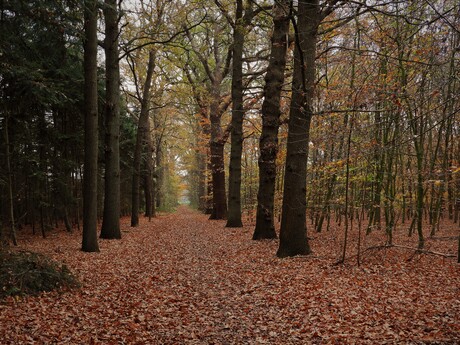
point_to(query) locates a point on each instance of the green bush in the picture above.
(28, 273)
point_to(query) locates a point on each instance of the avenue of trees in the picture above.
(293, 113)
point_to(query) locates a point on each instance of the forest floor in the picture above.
(181, 279)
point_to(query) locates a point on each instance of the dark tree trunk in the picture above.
(274, 80)
(143, 130)
(219, 201)
(111, 216)
(89, 242)
(234, 178)
(293, 233)
(219, 209)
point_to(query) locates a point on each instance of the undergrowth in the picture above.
(28, 273)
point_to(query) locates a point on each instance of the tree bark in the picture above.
(274, 79)
(234, 179)
(219, 199)
(111, 216)
(293, 232)
(89, 242)
(143, 130)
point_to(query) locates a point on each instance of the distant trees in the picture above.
(211, 55)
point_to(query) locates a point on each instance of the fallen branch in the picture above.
(416, 250)
(424, 251)
(445, 238)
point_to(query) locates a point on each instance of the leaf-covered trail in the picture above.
(182, 279)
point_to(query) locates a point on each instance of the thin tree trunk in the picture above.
(347, 196)
(201, 176)
(149, 185)
(9, 183)
(159, 172)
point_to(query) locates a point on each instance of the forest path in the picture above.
(182, 279)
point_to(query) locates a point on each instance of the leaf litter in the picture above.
(181, 279)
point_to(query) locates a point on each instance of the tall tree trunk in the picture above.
(89, 242)
(274, 79)
(347, 192)
(293, 233)
(234, 178)
(111, 216)
(143, 130)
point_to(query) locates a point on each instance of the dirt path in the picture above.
(182, 279)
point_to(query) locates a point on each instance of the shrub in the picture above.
(28, 273)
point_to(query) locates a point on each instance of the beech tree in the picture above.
(143, 140)
(234, 179)
(271, 112)
(293, 235)
(214, 57)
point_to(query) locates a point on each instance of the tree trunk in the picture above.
(234, 178)
(219, 200)
(89, 242)
(219, 204)
(293, 233)
(143, 130)
(111, 216)
(274, 79)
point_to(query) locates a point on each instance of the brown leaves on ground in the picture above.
(182, 279)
